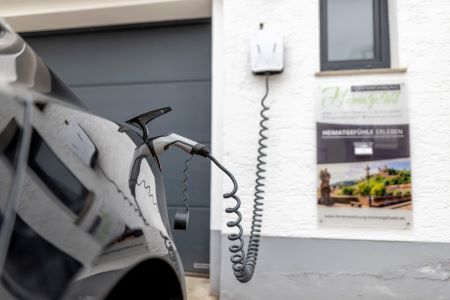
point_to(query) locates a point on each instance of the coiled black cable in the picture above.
(244, 264)
(185, 182)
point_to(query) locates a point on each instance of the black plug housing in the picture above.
(201, 150)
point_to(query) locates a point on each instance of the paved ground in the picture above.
(198, 288)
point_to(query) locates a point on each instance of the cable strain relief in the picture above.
(200, 149)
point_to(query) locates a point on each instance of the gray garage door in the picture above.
(120, 73)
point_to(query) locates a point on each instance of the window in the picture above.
(354, 34)
(53, 173)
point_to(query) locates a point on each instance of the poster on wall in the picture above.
(363, 156)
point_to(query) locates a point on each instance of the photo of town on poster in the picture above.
(363, 157)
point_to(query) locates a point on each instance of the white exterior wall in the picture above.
(420, 41)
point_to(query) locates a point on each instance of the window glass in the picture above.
(350, 30)
(55, 175)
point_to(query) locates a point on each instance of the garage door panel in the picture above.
(191, 115)
(186, 49)
(198, 181)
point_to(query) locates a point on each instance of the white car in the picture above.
(91, 219)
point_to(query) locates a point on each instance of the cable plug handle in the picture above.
(162, 143)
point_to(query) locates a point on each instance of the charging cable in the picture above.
(243, 264)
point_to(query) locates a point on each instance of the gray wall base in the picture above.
(294, 268)
(214, 261)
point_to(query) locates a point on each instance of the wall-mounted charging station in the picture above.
(267, 52)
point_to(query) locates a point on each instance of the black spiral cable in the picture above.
(185, 182)
(244, 264)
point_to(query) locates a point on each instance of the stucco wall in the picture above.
(420, 40)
